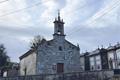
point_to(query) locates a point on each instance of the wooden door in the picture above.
(60, 67)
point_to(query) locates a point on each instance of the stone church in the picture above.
(54, 56)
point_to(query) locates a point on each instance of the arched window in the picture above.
(60, 48)
(58, 32)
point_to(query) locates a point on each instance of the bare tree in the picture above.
(37, 41)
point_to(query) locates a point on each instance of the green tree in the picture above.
(37, 40)
(3, 56)
(4, 59)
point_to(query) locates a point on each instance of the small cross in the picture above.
(58, 12)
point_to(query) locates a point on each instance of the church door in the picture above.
(60, 67)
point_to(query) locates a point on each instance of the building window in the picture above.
(98, 62)
(25, 70)
(48, 43)
(111, 63)
(111, 59)
(98, 67)
(118, 58)
(118, 64)
(54, 66)
(72, 47)
(92, 68)
(92, 63)
(60, 48)
(58, 32)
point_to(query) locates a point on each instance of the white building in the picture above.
(114, 56)
(95, 60)
(101, 59)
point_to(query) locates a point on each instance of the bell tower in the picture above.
(58, 27)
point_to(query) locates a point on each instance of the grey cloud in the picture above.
(90, 38)
(28, 32)
(14, 47)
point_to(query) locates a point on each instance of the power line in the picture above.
(76, 10)
(19, 10)
(82, 6)
(67, 12)
(3, 1)
(39, 4)
(108, 10)
(117, 2)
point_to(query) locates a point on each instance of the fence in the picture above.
(92, 75)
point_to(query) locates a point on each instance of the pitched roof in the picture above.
(26, 54)
(31, 50)
(72, 44)
(95, 52)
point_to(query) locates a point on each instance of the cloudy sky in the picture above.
(89, 23)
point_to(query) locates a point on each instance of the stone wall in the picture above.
(49, 55)
(96, 75)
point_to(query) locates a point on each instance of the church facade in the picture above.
(54, 56)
